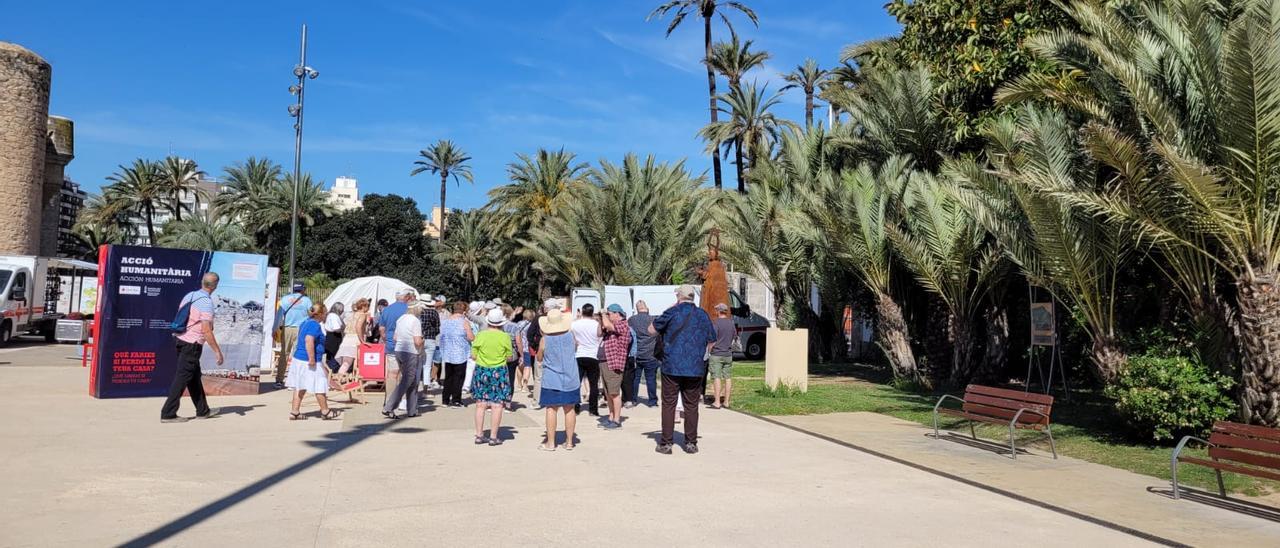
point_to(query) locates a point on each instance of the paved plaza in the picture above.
(80, 471)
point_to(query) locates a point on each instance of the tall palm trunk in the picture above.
(962, 344)
(444, 187)
(177, 208)
(148, 210)
(737, 151)
(1259, 332)
(891, 330)
(711, 85)
(808, 107)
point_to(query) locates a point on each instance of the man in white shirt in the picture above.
(408, 343)
(587, 333)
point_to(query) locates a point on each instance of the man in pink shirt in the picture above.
(190, 346)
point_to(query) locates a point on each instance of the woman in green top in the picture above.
(490, 385)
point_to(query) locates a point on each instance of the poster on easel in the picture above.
(139, 289)
(1043, 326)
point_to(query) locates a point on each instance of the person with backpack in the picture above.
(289, 316)
(193, 327)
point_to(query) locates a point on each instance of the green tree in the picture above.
(707, 9)
(468, 248)
(197, 232)
(808, 77)
(1182, 104)
(444, 159)
(638, 222)
(137, 189)
(892, 109)
(750, 125)
(972, 48)
(245, 183)
(1021, 200)
(178, 177)
(734, 59)
(385, 238)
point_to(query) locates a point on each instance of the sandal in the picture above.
(543, 447)
(495, 442)
(569, 447)
(296, 417)
(330, 415)
(481, 440)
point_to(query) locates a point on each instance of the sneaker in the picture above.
(174, 419)
(278, 386)
(213, 412)
(663, 449)
(610, 425)
(628, 405)
(691, 448)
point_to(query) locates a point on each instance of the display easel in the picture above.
(1044, 334)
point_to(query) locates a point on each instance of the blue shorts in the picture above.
(528, 359)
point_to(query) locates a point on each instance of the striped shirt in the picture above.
(201, 310)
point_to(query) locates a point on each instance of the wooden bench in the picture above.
(1237, 448)
(1016, 408)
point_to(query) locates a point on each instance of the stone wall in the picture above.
(24, 109)
(59, 150)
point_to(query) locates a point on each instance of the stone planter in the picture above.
(786, 358)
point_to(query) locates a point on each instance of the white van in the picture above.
(29, 292)
(751, 326)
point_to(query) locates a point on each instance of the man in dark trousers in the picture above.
(190, 346)
(687, 336)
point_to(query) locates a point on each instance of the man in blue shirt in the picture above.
(687, 336)
(290, 314)
(387, 324)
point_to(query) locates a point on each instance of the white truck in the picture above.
(29, 291)
(751, 326)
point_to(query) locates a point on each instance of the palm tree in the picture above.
(1023, 201)
(198, 232)
(948, 253)
(733, 60)
(539, 186)
(178, 177)
(444, 159)
(467, 248)
(137, 189)
(246, 182)
(273, 206)
(640, 222)
(749, 123)
(808, 77)
(707, 9)
(894, 112)
(1180, 102)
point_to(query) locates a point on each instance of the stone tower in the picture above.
(24, 112)
(59, 150)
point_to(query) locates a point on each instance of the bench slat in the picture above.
(1004, 403)
(1042, 399)
(1232, 468)
(988, 419)
(1006, 414)
(1265, 461)
(1260, 432)
(1239, 442)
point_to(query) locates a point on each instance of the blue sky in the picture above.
(209, 80)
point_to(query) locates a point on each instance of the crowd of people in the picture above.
(489, 351)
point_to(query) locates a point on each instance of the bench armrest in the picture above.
(944, 398)
(1018, 415)
(1182, 444)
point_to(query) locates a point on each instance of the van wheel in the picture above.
(6, 333)
(755, 348)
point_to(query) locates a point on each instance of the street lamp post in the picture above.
(303, 73)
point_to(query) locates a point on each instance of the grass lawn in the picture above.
(1083, 427)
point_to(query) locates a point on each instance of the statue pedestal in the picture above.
(786, 358)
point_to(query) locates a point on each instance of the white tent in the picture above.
(372, 288)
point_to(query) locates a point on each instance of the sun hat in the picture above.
(554, 323)
(497, 301)
(685, 292)
(429, 301)
(490, 305)
(496, 318)
(474, 307)
(401, 293)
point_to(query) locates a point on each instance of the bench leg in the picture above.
(972, 432)
(1222, 489)
(1173, 472)
(1052, 447)
(1013, 449)
(935, 425)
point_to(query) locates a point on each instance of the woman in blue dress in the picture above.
(455, 350)
(304, 373)
(560, 382)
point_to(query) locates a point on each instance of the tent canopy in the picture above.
(372, 288)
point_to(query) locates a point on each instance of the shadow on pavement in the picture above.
(1216, 501)
(333, 444)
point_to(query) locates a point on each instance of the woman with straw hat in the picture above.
(490, 386)
(560, 382)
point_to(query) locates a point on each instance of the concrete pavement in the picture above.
(80, 471)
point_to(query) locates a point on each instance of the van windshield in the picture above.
(4, 278)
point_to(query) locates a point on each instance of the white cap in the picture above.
(400, 293)
(552, 304)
